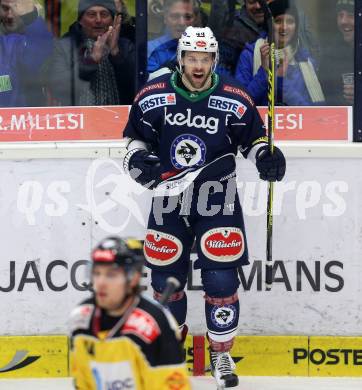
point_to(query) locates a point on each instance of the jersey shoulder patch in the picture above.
(158, 85)
(80, 317)
(237, 91)
(142, 324)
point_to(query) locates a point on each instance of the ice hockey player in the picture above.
(183, 133)
(121, 340)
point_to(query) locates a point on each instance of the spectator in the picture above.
(128, 27)
(234, 29)
(337, 67)
(92, 65)
(10, 21)
(234, 32)
(297, 82)
(178, 14)
(21, 54)
(155, 24)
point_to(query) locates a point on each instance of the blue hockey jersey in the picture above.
(189, 131)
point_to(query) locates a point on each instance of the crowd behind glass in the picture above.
(93, 63)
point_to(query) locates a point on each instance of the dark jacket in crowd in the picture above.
(233, 37)
(337, 60)
(72, 71)
(21, 57)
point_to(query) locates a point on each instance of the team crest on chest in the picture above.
(187, 151)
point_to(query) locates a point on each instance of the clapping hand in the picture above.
(100, 48)
(283, 62)
(107, 42)
(114, 36)
(264, 52)
(282, 66)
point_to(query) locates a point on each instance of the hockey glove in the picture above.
(271, 167)
(145, 168)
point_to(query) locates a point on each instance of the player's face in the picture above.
(178, 18)
(8, 17)
(110, 286)
(345, 22)
(284, 26)
(197, 67)
(95, 21)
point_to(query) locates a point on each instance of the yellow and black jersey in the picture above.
(144, 354)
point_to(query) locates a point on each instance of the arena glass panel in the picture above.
(56, 59)
(314, 56)
(326, 77)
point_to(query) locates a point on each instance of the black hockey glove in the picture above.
(271, 167)
(145, 168)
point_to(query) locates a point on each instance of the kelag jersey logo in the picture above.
(19, 361)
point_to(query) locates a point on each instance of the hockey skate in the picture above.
(222, 369)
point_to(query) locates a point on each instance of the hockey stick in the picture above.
(172, 284)
(271, 124)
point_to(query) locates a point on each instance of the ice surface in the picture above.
(207, 383)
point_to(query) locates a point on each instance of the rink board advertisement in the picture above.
(47, 356)
(33, 356)
(108, 122)
(52, 212)
(286, 356)
(62, 123)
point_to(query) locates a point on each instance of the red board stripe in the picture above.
(199, 355)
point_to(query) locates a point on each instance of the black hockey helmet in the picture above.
(122, 252)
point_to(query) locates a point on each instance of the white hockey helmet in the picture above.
(199, 39)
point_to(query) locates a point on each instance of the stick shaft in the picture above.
(271, 126)
(172, 284)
